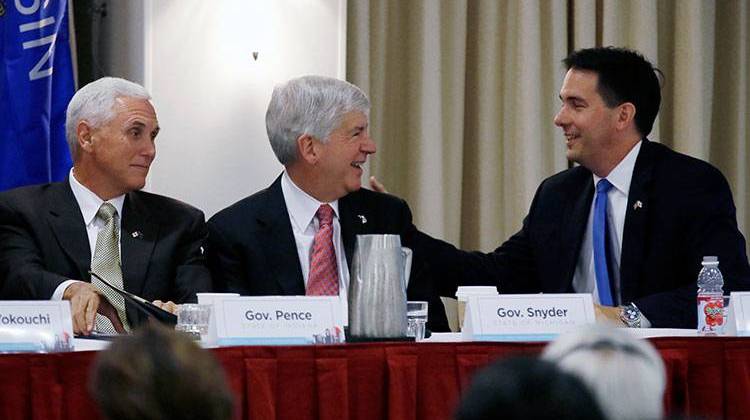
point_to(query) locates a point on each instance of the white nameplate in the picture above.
(537, 317)
(35, 326)
(278, 320)
(738, 319)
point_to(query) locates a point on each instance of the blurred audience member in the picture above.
(159, 374)
(625, 373)
(522, 388)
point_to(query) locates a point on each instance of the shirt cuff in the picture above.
(60, 291)
(645, 323)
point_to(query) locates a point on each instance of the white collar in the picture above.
(89, 202)
(621, 176)
(301, 205)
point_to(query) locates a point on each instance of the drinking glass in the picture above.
(416, 319)
(193, 319)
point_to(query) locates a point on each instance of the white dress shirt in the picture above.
(89, 204)
(584, 280)
(302, 208)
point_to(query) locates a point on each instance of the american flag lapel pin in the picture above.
(637, 205)
(362, 218)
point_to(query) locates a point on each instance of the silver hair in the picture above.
(95, 104)
(313, 105)
(625, 373)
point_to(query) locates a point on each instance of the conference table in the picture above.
(707, 377)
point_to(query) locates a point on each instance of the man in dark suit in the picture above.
(660, 211)
(52, 235)
(271, 242)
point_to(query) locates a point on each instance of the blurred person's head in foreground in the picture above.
(625, 373)
(526, 388)
(157, 373)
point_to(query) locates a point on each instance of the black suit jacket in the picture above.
(43, 242)
(686, 212)
(251, 248)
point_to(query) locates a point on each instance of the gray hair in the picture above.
(625, 373)
(95, 104)
(313, 105)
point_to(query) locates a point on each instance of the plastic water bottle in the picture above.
(710, 298)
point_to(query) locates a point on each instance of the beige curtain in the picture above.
(464, 93)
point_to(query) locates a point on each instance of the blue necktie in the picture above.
(600, 243)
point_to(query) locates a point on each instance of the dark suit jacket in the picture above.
(43, 242)
(686, 213)
(251, 248)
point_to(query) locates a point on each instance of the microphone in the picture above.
(147, 308)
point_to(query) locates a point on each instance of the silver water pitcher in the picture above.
(377, 287)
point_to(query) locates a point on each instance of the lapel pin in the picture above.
(637, 205)
(362, 218)
(137, 234)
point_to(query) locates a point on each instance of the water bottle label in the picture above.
(710, 314)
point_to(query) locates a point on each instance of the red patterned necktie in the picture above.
(324, 274)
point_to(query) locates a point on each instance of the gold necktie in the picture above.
(106, 263)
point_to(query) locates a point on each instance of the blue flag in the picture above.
(36, 84)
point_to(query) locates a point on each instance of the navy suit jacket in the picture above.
(251, 247)
(685, 212)
(43, 242)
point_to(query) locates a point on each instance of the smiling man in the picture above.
(52, 235)
(631, 224)
(297, 236)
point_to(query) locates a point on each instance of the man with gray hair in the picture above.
(53, 235)
(625, 373)
(297, 236)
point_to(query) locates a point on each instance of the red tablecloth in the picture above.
(706, 377)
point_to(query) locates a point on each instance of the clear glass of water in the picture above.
(416, 319)
(724, 326)
(193, 319)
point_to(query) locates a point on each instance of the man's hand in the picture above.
(376, 185)
(85, 301)
(608, 315)
(168, 306)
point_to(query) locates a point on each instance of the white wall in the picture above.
(122, 40)
(211, 96)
